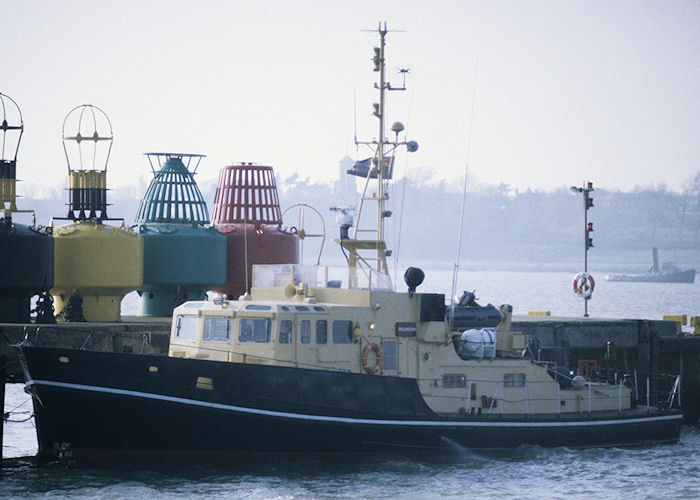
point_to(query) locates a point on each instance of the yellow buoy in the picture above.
(99, 263)
(95, 265)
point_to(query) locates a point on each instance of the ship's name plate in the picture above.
(405, 329)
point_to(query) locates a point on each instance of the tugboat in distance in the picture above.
(669, 272)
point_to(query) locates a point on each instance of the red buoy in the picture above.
(247, 210)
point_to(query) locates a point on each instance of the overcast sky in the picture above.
(554, 93)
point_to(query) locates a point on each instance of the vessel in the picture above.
(668, 272)
(318, 360)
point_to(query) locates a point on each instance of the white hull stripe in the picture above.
(346, 420)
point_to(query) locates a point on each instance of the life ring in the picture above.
(379, 358)
(584, 284)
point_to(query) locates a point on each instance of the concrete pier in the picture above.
(131, 335)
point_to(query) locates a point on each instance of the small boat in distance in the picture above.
(327, 361)
(669, 272)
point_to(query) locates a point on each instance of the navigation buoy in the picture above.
(183, 256)
(584, 284)
(96, 264)
(26, 252)
(247, 211)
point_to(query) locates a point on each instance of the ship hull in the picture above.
(95, 407)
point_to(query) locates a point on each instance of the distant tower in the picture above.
(26, 253)
(345, 186)
(247, 210)
(95, 264)
(182, 258)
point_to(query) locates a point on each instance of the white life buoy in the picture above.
(584, 284)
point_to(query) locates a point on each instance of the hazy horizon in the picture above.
(535, 94)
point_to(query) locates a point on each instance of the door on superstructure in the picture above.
(390, 362)
(306, 342)
(406, 349)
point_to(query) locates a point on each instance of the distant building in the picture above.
(345, 188)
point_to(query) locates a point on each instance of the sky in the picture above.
(533, 94)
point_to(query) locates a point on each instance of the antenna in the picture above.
(464, 196)
(354, 112)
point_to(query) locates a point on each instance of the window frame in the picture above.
(178, 326)
(338, 331)
(289, 334)
(324, 322)
(252, 340)
(213, 319)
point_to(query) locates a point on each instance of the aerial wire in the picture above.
(464, 192)
(397, 233)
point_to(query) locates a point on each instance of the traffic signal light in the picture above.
(377, 58)
(587, 200)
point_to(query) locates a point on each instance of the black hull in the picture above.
(102, 406)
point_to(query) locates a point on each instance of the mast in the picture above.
(374, 262)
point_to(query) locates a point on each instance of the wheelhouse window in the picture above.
(285, 331)
(254, 330)
(342, 332)
(217, 329)
(321, 331)
(257, 307)
(305, 333)
(186, 327)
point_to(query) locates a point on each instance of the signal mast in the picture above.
(370, 254)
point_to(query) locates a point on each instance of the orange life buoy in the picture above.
(584, 284)
(379, 358)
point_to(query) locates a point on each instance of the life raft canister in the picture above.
(584, 284)
(379, 358)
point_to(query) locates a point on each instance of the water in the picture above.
(671, 471)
